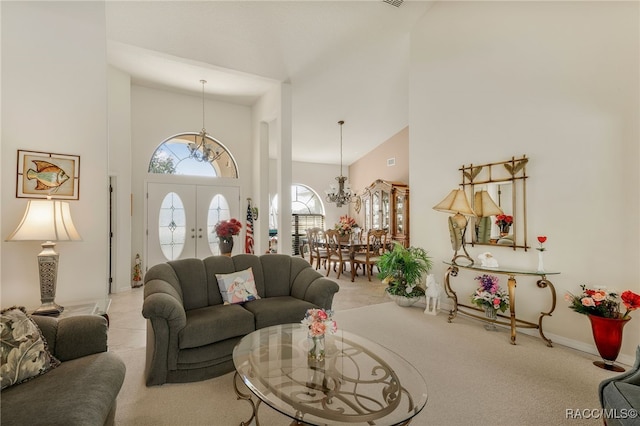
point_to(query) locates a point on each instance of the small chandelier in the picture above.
(204, 151)
(340, 194)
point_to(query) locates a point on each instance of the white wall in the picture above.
(157, 115)
(559, 83)
(55, 100)
(120, 173)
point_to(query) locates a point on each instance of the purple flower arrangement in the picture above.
(489, 294)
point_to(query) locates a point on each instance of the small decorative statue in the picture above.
(137, 273)
(432, 295)
(488, 261)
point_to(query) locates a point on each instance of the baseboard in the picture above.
(627, 360)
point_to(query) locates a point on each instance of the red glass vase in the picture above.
(607, 333)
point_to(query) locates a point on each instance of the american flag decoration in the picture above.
(248, 239)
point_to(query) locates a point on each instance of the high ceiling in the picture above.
(345, 60)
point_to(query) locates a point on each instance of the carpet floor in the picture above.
(474, 377)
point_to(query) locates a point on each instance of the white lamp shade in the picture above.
(484, 206)
(455, 202)
(46, 220)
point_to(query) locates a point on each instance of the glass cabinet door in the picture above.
(375, 214)
(367, 213)
(385, 210)
(400, 214)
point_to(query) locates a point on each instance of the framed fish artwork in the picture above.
(43, 174)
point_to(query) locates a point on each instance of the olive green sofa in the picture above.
(191, 333)
(81, 391)
(620, 397)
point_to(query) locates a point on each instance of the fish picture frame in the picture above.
(44, 174)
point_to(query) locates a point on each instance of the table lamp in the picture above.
(49, 221)
(456, 203)
(484, 206)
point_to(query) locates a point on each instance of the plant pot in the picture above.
(225, 244)
(607, 334)
(403, 300)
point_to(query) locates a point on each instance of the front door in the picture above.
(181, 218)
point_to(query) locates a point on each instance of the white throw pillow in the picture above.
(238, 287)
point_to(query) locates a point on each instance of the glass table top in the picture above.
(359, 382)
(501, 269)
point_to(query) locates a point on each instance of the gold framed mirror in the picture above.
(498, 195)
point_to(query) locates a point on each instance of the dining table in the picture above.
(351, 247)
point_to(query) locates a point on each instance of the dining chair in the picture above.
(375, 246)
(335, 253)
(317, 250)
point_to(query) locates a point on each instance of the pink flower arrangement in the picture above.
(602, 303)
(345, 225)
(319, 322)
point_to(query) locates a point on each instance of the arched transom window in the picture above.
(182, 155)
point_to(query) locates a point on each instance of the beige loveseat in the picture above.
(191, 333)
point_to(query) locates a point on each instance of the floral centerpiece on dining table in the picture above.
(345, 225)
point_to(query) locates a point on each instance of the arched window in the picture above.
(304, 201)
(307, 211)
(181, 155)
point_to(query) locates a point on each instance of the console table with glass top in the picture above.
(358, 382)
(512, 321)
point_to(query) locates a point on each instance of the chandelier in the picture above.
(340, 194)
(204, 151)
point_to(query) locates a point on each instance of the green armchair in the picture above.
(620, 397)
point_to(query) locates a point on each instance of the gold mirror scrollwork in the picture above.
(498, 195)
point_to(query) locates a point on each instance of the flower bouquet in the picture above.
(489, 296)
(319, 322)
(226, 229)
(345, 225)
(602, 303)
(603, 310)
(504, 222)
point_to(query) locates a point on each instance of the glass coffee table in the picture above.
(358, 382)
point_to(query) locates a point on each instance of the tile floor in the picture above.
(127, 329)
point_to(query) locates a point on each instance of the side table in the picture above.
(513, 322)
(90, 307)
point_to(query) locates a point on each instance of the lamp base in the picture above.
(49, 309)
(48, 269)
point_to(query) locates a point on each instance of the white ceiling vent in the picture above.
(391, 162)
(395, 3)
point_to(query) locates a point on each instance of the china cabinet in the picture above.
(386, 206)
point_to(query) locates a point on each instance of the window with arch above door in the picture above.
(174, 156)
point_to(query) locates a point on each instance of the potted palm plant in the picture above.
(401, 269)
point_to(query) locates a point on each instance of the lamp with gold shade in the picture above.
(456, 203)
(50, 221)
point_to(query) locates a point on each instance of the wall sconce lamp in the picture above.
(456, 203)
(49, 221)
